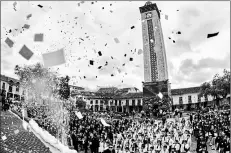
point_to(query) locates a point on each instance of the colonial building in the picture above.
(11, 87)
(118, 100)
(188, 98)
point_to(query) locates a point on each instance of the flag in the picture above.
(26, 52)
(79, 115)
(54, 58)
(104, 122)
(160, 95)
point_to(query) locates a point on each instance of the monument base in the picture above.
(151, 101)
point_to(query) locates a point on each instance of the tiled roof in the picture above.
(129, 95)
(7, 79)
(107, 90)
(185, 90)
(76, 87)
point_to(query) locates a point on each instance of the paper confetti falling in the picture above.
(26, 52)
(140, 51)
(38, 37)
(9, 42)
(212, 35)
(26, 26)
(166, 17)
(54, 58)
(117, 40)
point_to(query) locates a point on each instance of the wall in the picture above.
(185, 98)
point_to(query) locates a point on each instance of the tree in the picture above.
(64, 90)
(218, 88)
(37, 81)
(81, 104)
(41, 86)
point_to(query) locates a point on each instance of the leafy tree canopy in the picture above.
(218, 87)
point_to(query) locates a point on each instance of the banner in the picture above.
(79, 115)
(104, 122)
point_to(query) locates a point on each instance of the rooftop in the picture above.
(185, 90)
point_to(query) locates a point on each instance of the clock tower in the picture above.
(155, 61)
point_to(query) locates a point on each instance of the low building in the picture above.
(118, 100)
(11, 87)
(188, 98)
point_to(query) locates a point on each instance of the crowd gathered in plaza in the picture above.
(209, 130)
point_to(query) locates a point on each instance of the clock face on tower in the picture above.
(148, 15)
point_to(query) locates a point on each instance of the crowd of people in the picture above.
(212, 128)
(129, 135)
(211, 131)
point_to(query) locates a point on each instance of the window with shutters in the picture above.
(198, 98)
(3, 85)
(96, 102)
(133, 102)
(127, 102)
(139, 102)
(189, 99)
(180, 100)
(206, 98)
(10, 88)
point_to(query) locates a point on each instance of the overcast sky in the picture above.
(192, 59)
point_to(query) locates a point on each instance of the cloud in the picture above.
(64, 23)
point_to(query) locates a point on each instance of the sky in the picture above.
(82, 29)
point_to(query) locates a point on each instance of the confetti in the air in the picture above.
(28, 16)
(91, 62)
(117, 40)
(54, 58)
(40, 6)
(26, 52)
(38, 37)
(9, 42)
(140, 51)
(166, 17)
(99, 52)
(212, 35)
(26, 26)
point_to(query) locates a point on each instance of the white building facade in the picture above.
(188, 98)
(12, 88)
